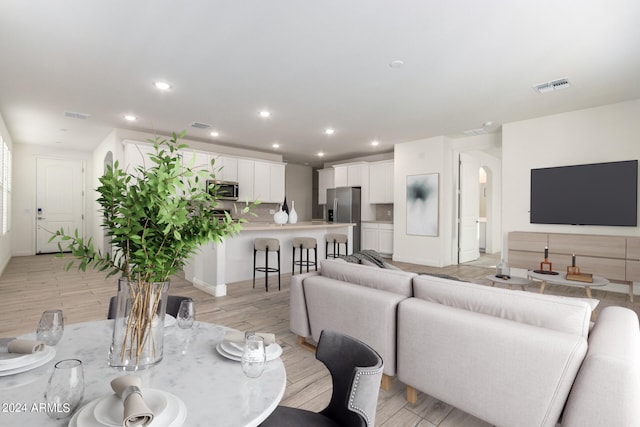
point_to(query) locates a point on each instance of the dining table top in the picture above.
(213, 388)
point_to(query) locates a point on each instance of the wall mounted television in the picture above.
(592, 194)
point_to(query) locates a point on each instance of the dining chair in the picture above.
(173, 304)
(356, 372)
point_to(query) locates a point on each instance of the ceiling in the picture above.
(312, 64)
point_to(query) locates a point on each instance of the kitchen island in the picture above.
(218, 264)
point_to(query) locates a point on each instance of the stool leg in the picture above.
(300, 259)
(279, 268)
(266, 269)
(334, 249)
(307, 261)
(315, 256)
(326, 250)
(254, 268)
(293, 262)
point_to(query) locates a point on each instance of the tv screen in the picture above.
(594, 194)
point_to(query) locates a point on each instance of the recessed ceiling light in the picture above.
(375, 143)
(275, 145)
(130, 118)
(329, 131)
(215, 134)
(162, 85)
(396, 64)
(320, 154)
(265, 113)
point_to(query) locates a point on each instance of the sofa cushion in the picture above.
(396, 281)
(571, 315)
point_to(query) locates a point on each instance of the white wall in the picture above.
(5, 241)
(298, 189)
(23, 210)
(433, 155)
(602, 134)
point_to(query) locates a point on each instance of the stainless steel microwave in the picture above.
(226, 190)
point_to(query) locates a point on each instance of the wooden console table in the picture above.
(616, 258)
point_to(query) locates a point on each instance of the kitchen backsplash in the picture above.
(260, 213)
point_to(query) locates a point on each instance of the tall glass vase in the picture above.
(138, 331)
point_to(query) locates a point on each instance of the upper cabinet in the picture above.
(226, 168)
(381, 182)
(351, 175)
(268, 181)
(325, 181)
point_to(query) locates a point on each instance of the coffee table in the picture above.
(518, 281)
(561, 279)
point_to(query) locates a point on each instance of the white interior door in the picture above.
(468, 242)
(59, 200)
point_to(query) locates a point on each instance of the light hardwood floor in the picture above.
(32, 284)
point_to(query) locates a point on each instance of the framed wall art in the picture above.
(422, 204)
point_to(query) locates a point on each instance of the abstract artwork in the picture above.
(422, 204)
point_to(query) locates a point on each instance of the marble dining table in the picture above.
(213, 388)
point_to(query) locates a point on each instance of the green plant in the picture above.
(156, 217)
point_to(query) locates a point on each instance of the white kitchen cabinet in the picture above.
(377, 237)
(268, 182)
(226, 168)
(245, 179)
(341, 176)
(381, 182)
(325, 181)
(137, 154)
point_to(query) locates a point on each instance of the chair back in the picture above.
(356, 372)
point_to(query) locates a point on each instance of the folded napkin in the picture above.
(136, 411)
(237, 337)
(24, 346)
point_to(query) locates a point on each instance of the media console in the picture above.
(616, 258)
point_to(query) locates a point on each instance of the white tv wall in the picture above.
(602, 134)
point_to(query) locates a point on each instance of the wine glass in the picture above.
(186, 314)
(50, 327)
(65, 388)
(254, 356)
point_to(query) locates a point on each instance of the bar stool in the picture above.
(267, 245)
(304, 243)
(336, 239)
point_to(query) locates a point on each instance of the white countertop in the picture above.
(272, 226)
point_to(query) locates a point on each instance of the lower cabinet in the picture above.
(378, 237)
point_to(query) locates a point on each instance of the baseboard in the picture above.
(215, 290)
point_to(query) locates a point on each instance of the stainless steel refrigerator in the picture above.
(343, 205)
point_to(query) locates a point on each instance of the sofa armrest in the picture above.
(607, 388)
(298, 316)
(367, 314)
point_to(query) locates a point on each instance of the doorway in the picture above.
(59, 200)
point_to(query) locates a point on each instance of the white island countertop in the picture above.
(272, 226)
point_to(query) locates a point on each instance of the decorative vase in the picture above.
(293, 215)
(138, 330)
(280, 217)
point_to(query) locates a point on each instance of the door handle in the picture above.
(41, 217)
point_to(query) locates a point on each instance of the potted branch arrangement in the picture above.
(156, 217)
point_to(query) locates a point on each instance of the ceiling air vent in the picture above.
(75, 115)
(199, 125)
(551, 86)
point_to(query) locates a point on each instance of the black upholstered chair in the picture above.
(173, 304)
(356, 372)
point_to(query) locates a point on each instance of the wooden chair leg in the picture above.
(304, 344)
(412, 395)
(385, 384)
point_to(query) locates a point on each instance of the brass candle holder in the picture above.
(573, 269)
(545, 263)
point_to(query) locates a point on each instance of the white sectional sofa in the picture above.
(511, 358)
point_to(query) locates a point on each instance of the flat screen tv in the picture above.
(593, 194)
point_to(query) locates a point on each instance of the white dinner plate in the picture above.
(174, 414)
(38, 359)
(230, 351)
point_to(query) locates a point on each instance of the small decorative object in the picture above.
(293, 215)
(285, 208)
(544, 264)
(502, 270)
(156, 217)
(573, 269)
(280, 217)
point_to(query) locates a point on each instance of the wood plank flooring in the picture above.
(29, 285)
